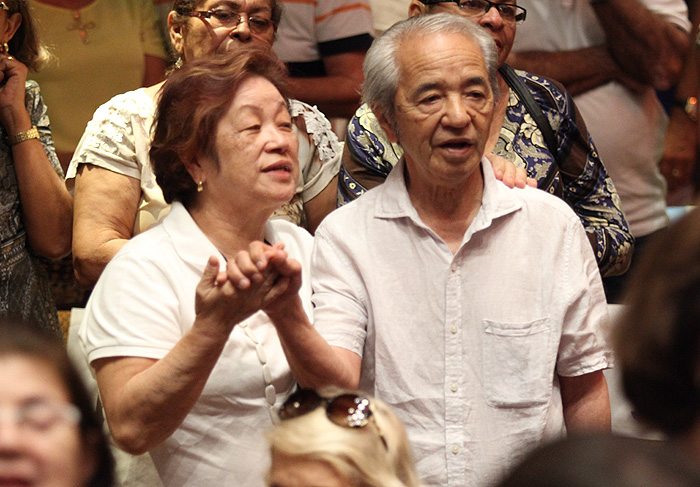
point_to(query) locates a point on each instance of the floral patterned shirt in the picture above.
(581, 178)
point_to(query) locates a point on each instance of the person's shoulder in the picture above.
(541, 85)
(544, 207)
(354, 215)
(136, 102)
(153, 244)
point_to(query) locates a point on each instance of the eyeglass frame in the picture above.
(207, 14)
(63, 412)
(489, 4)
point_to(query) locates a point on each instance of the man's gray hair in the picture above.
(381, 66)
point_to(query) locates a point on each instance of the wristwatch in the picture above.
(690, 106)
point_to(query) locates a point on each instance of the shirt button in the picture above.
(453, 267)
(453, 329)
(454, 387)
(455, 449)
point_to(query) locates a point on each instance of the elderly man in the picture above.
(474, 310)
(536, 125)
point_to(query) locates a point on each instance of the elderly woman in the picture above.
(536, 125)
(339, 439)
(35, 207)
(187, 367)
(657, 339)
(116, 195)
(51, 435)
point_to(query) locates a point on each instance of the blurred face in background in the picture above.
(221, 25)
(500, 26)
(40, 440)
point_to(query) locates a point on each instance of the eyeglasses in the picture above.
(230, 19)
(40, 416)
(347, 410)
(509, 12)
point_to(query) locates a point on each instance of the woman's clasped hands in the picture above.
(260, 278)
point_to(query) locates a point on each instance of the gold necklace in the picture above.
(81, 27)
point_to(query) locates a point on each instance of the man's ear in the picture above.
(386, 125)
(417, 8)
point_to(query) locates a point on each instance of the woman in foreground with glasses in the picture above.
(116, 194)
(188, 367)
(339, 439)
(49, 435)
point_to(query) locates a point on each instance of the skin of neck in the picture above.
(230, 231)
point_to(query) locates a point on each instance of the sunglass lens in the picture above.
(301, 402)
(349, 410)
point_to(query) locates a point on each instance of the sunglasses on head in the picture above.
(346, 410)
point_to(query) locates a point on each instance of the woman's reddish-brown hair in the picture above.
(192, 102)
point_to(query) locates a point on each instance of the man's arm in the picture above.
(586, 402)
(338, 93)
(578, 70)
(642, 43)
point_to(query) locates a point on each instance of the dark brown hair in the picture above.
(657, 339)
(28, 340)
(193, 101)
(25, 44)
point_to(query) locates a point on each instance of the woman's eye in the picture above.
(253, 127)
(224, 15)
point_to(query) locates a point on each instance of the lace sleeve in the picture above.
(117, 138)
(320, 163)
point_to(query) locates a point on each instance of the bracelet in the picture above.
(32, 133)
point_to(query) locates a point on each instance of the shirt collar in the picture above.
(191, 244)
(498, 200)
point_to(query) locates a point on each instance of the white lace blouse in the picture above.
(118, 138)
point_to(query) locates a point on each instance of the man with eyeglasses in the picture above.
(472, 309)
(565, 164)
(611, 55)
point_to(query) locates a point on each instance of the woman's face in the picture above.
(257, 150)
(287, 471)
(40, 442)
(202, 37)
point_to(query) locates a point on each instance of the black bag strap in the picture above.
(535, 111)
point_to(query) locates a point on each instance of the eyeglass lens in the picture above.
(509, 12)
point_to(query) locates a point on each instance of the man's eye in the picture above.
(430, 100)
(507, 10)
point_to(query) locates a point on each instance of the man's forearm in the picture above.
(586, 402)
(643, 44)
(314, 363)
(578, 70)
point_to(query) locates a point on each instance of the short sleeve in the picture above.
(584, 345)
(319, 149)
(340, 313)
(37, 112)
(117, 138)
(133, 311)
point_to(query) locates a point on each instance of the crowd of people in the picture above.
(422, 301)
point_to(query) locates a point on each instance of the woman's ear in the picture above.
(11, 26)
(177, 37)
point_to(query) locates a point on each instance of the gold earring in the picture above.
(4, 48)
(200, 186)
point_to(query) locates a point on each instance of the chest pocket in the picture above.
(518, 363)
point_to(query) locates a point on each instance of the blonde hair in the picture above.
(377, 455)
